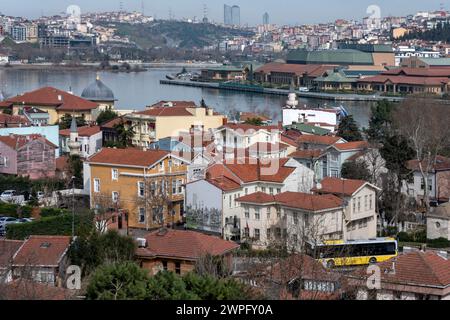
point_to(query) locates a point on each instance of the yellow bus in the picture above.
(353, 252)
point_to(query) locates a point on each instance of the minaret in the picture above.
(292, 101)
(74, 145)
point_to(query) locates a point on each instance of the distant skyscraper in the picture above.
(227, 15)
(266, 19)
(236, 15)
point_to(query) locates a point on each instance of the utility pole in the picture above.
(73, 207)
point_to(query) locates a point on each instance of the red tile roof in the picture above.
(42, 251)
(167, 112)
(289, 140)
(416, 268)
(442, 163)
(86, 131)
(49, 96)
(419, 72)
(355, 145)
(7, 250)
(267, 147)
(182, 244)
(340, 186)
(112, 123)
(272, 170)
(7, 120)
(249, 127)
(306, 154)
(406, 80)
(22, 289)
(62, 163)
(224, 183)
(322, 140)
(297, 69)
(295, 200)
(18, 141)
(128, 157)
(182, 104)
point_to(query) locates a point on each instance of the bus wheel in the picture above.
(330, 264)
(373, 260)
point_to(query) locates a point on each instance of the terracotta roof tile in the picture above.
(86, 131)
(7, 120)
(306, 154)
(49, 96)
(184, 245)
(244, 116)
(7, 250)
(167, 112)
(129, 156)
(340, 186)
(416, 268)
(442, 163)
(224, 183)
(322, 140)
(18, 141)
(355, 145)
(297, 69)
(296, 200)
(42, 251)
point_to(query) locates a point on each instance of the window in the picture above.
(4, 162)
(271, 191)
(278, 233)
(230, 199)
(257, 234)
(354, 205)
(180, 186)
(278, 212)
(141, 215)
(141, 189)
(174, 186)
(161, 166)
(115, 174)
(295, 217)
(247, 233)
(370, 202)
(366, 203)
(177, 268)
(295, 238)
(263, 189)
(247, 212)
(359, 204)
(164, 263)
(257, 214)
(278, 190)
(246, 191)
(269, 233)
(268, 213)
(97, 185)
(115, 196)
(153, 188)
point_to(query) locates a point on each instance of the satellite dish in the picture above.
(319, 186)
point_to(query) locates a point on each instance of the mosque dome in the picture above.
(98, 91)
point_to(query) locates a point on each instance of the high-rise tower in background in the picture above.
(266, 19)
(236, 15)
(232, 15)
(227, 15)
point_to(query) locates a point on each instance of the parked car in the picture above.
(4, 222)
(8, 195)
(303, 89)
(25, 220)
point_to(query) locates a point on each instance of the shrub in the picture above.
(52, 212)
(53, 226)
(439, 243)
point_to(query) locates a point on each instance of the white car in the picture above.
(8, 195)
(303, 89)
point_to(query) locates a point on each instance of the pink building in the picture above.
(27, 155)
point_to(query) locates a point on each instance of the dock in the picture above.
(282, 92)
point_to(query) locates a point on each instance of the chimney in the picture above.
(59, 97)
(141, 242)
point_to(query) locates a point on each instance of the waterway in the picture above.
(135, 91)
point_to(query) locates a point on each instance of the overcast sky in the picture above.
(280, 11)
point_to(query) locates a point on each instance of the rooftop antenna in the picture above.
(143, 7)
(121, 6)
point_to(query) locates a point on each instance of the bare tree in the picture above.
(425, 123)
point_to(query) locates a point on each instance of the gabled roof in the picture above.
(10, 121)
(406, 80)
(42, 251)
(53, 97)
(16, 142)
(321, 140)
(128, 157)
(182, 244)
(297, 69)
(86, 131)
(297, 200)
(167, 112)
(338, 186)
(224, 183)
(8, 249)
(249, 128)
(442, 163)
(426, 269)
(349, 146)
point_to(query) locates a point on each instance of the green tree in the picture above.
(97, 249)
(106, 115)
(66, 121)
(168, 286)
(118, 281)
(125, 133)
(254, 121)
(380, 122)
(356, 170)
(348, 129)
(76, 170)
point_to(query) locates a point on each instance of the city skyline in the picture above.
(301, 13)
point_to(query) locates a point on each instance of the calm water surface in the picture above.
(137, 90)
